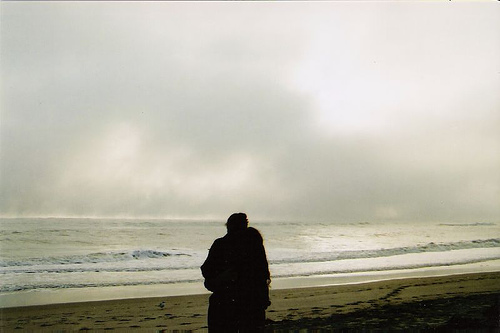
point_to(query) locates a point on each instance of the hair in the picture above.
(236, 222)
(255, 234)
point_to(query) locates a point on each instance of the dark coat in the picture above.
(237, 272)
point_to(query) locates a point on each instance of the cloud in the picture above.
(320, 111)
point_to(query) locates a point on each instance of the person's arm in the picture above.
(222, 281)
(217, 276)
(210, 266)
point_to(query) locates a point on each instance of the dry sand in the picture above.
(469, 300)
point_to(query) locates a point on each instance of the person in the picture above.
(237, 272)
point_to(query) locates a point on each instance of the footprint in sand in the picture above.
(171, 317)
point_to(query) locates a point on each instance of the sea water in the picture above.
(52, 254)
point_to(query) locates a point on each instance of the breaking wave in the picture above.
(94, 258)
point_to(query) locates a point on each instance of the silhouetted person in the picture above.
(237, 272)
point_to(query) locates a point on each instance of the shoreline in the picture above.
(91, 294)
(297, 307)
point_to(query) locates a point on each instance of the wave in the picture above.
(477, 224)
(94, 258)
(36, 286)
(385, 268)
(148, 260)
(365, 254)
(124, 268)
(145, 255)
(4, 289)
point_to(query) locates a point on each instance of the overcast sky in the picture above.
(331, 111)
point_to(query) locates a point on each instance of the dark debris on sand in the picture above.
(476, 313)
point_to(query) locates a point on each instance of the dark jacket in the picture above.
(236, 271)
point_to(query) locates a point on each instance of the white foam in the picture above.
(53, 296)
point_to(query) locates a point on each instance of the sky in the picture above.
(318, 111)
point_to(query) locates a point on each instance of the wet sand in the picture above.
(454, 301)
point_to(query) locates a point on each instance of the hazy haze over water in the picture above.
(336, 111)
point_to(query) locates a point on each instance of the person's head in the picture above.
(237, 222)
(254, 234)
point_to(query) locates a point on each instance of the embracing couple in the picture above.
(237, 272)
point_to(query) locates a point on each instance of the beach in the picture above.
(451, 301)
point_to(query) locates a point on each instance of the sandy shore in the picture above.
(470, 300)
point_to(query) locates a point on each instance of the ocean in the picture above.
(47, 256)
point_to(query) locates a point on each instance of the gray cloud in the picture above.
(328, 111)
